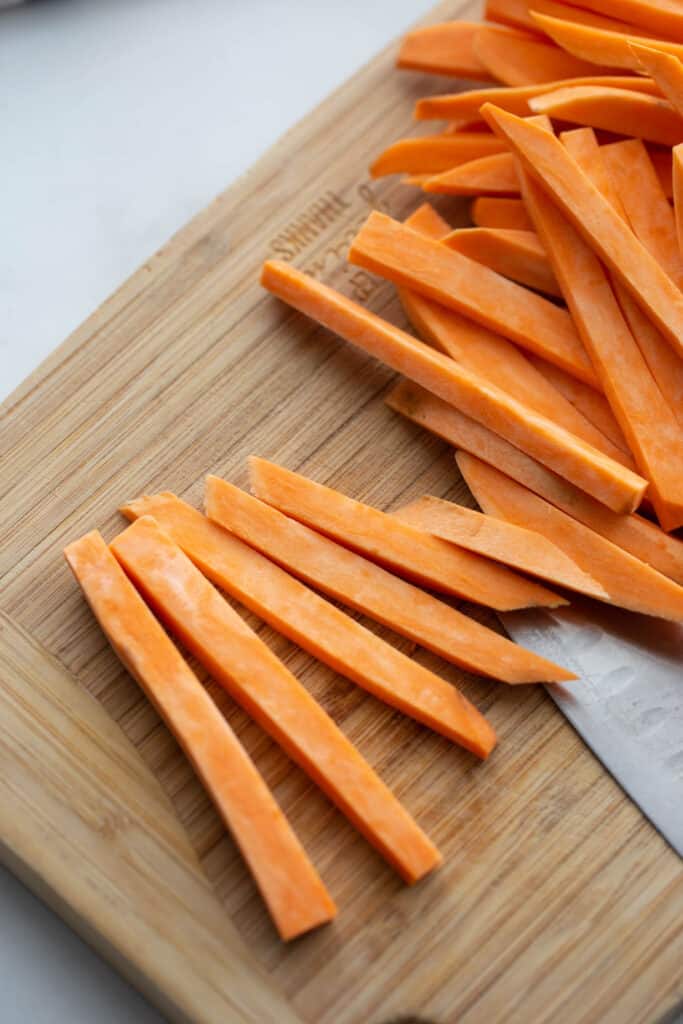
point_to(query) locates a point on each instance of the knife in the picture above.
(627, 702)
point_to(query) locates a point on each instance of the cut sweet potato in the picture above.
(614, 110)
(664, 17)
(270, 694)
(434, 153)
(502, 364)
(666, 71)
(401, 255)
(443, 49)
(630, 583)
(510, 12)
(521, 549)
(645, 418)
(600, 46)
(524, 59)
(369, 531)
(350, 578)
(546, 159)
(590, 403)
(489, 175)
(646, 207)
(634, 534)
(466, 105)
(492, 212)
(313, 623)
(663, 165)
(613, 484)
(495, 358)
(292, 890)
(678, 191)
(569, 12)
(518, 255)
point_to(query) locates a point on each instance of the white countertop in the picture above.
(120, 120)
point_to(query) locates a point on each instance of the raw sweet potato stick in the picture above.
(492, 212)
(644, 416)
(610, 482)
(524, 59)
(547, 160)
(663, 17)
(666, 71)
(403, 256)
(238, 660)
(443, 49)
(518, 255)
(641, 198)
(521, 549)
(633, 533)
(495, 358)
(600, 46)
(289, 884)
(410, 552)
(613, 110)
(466, 105)
(360, 584)
(488, 175)
(630, 584)
(434, 153)
(316, 625)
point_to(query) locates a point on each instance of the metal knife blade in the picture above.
(627, 703)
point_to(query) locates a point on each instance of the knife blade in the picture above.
(627, 702)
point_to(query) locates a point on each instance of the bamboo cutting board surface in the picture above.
(557, 901)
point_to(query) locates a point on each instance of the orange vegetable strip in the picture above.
(350, 578)
(502, 364)
(515, 546)
(589, 402)
(613, 484)
(629, 582)
(403, 256)
(602, 165)
(443, 49)
(237, 659)
(665, 69)
(524, 59)
(639, 407)
(653, 222)
(428, 222)
(518, 255)
(547, 159)
(517, 14)
(663, 165)
(678, 191)
(316, 625)
(614, 110)
(634, 534)
(583, 17)
(434, 153)
(489, 175)
(367, 530)
(495, 358)
(600, 46)
(510, 12)
(665, 17)
(642, 197)
(492, 212)
(466, 105)
(292, 890)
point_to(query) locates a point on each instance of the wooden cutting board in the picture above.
(557, 901)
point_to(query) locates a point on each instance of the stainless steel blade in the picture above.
(628, 701)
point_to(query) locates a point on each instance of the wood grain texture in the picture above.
(557, 902)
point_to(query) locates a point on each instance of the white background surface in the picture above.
(120, 119)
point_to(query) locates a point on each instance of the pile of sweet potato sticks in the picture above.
(547, 350)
